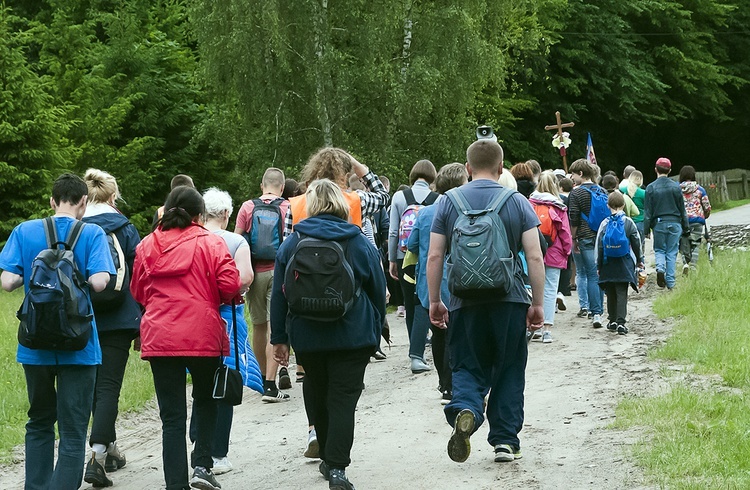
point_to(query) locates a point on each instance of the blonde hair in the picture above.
(548, 183)
(216, 202)
(325, 197)
(506, 179)
(101, 185)
(635, 180)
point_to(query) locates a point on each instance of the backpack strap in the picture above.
(459, 201)
(74, 235)
(500, 199)
(430, 199)
(50, 231)
(409, 196)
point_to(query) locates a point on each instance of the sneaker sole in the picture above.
(96, 483)
(661, 280)
(273, 399)
(112, 464)
(220, 471)
(547, 341)
(203, 485)
(459, 446)
(312, 450)
(285, 382)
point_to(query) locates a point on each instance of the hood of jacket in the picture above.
(110, 220)
(548, 199)
(689, 186)
(327, 227)
(173, 250)
(525, 187)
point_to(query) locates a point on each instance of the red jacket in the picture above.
(181, 276)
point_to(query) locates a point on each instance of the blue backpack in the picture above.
(615, 241)
(599, 210)
(56, 313)
(266, 229)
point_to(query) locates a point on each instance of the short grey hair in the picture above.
(216, 202)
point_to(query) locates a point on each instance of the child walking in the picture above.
(618, 246)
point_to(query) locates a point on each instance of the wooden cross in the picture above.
(559, 127)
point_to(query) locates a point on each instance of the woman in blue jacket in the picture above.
(334, 353)
(118, 319)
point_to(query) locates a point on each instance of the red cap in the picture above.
(664, 163)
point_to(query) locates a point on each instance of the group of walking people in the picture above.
(178, 296)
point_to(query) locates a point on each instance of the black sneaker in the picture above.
(582, 313)
(447, 397)
(622, 329)
(505, 453)
(95, 474)
(661, 280)
(339, 481)
(273, 395)
(459, 446)
(379, 355)
(612, 326)
(204, 479)
(590, 315)
(325, 470)
(115, 459)
(285, 382)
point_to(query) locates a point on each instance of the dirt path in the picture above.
(572, 388)
(735, 216)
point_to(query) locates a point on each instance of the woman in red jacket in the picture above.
(181, 275)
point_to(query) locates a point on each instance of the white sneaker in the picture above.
(221, 466)
(313, 448)
(685, 269)
(561, 302)
(401, 312)
(597, 321)
(547, 337)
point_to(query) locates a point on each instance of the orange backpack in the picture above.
(547, 226)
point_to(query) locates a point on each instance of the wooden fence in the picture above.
(729, 185)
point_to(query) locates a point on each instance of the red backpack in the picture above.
(547, 226)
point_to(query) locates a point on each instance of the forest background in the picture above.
(222, 89)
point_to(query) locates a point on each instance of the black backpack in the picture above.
(119, 284)
(319, 281)
(56, 313)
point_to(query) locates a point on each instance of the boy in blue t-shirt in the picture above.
(617, 270)
(60, 384)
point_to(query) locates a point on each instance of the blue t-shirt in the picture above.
(92, 255)
(518, 217)
(419, 243)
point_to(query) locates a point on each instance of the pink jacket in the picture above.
(181, 276)
(558, 252)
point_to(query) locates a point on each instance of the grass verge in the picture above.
(723, 206)
(698, 431)
(137, 389)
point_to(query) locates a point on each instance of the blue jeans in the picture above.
(640, 226)
(68, 404)
(590, 295)
(488, 350)
(551, 280)
(419, 330)
(666, 245)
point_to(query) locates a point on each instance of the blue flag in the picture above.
(590, 155)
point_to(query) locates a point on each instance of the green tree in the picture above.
(33, 143)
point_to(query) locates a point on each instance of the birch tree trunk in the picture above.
(323, 82)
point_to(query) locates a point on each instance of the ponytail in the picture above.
(183, 205)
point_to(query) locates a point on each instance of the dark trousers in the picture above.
(335, 378)
(115, 350)
(617, 301)
(224, 417)
(170, 383)
(565, 276)
(409, 291)
(62, 395)
(441, 357)
(488, 350)
(397, 297)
